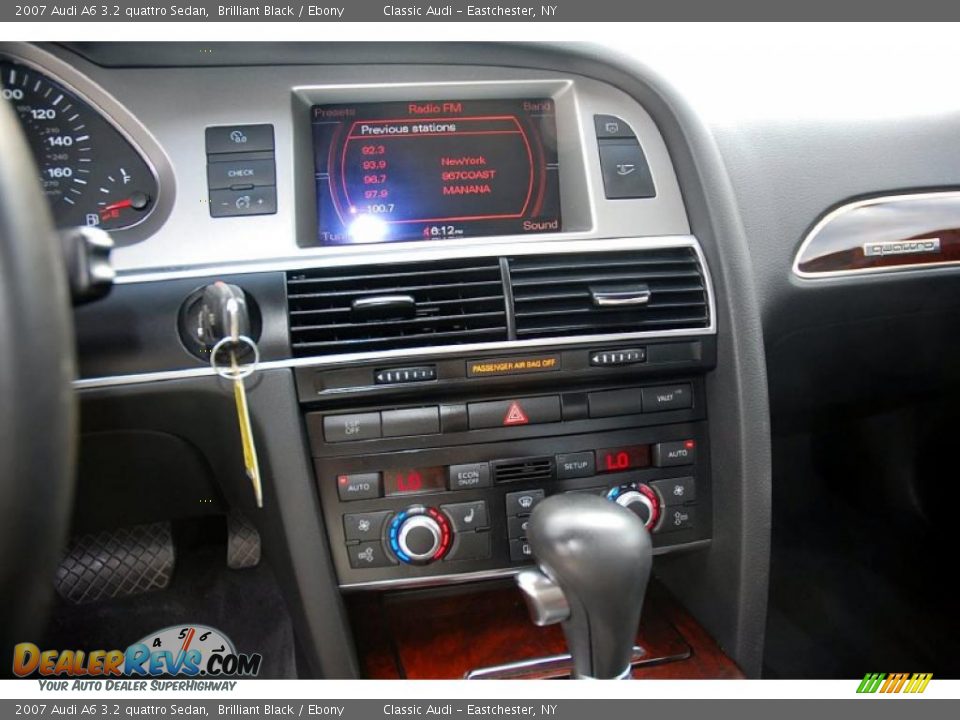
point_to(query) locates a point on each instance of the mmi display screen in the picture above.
(389, 172)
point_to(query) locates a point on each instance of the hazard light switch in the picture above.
(514, 412)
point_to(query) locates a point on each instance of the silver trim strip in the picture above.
(550, 662)
(390, 253)
(830, 216)
(435, 580)
(488, 250)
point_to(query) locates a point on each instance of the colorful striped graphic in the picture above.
(894, 682)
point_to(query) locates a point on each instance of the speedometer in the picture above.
(89, 171)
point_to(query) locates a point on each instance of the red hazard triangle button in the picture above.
(515, 415)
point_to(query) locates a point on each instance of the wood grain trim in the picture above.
(444, 634)
(884, 234)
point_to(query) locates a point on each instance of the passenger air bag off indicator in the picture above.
(512, 366)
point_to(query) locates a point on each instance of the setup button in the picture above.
(576, 465)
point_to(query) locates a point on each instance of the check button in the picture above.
(241, 173)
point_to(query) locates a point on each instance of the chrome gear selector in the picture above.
(594, 559)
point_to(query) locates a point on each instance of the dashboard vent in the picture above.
(538, 469)
(609, 292)
(340, 310)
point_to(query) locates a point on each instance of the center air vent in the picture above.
(608, 292)
(536, 469)
(356, 309)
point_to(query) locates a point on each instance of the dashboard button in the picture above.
(411, 421)
(614, 402)
(675, 491)
(364, 527)
(470, 546)
(368, 555)
(509, 413)
(517, 527)
(520, 550)
(576, 465)
(357, 426)
(468, 516)
(252, 201)
(453, 418)
(678, 518)
(610, 126)
(241, 173)
(467, 477)
(239, 138)
(358, 486)
(522, 502)
(667, 397)
(671, 454)
(625, 170)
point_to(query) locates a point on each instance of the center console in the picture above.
(428, 464)
(441, 488)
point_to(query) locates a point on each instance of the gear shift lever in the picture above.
(594, 560)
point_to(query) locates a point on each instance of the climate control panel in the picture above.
(459, 510)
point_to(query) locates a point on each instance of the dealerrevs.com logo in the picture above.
(180, 650)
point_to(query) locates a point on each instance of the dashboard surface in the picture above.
(738, 183)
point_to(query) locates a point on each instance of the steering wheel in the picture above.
(38, 416)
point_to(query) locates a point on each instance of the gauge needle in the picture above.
(119, 205)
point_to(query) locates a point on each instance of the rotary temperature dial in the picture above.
(419, 535)
(639, 499)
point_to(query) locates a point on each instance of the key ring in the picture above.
(228, 373)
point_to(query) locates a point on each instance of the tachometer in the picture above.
(90, 172)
